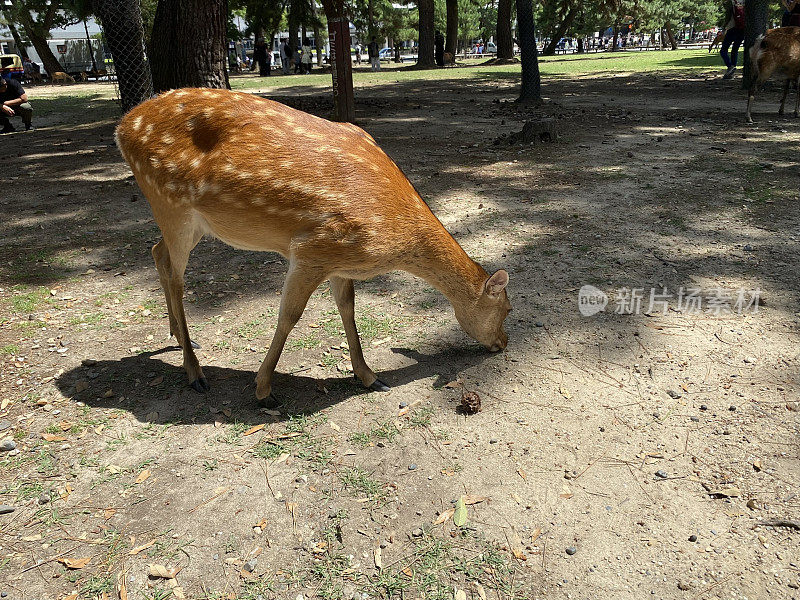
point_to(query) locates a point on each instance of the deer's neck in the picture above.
(439, 259)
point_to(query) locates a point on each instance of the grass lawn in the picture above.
(551, 66)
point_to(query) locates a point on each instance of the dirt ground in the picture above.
(652, 453)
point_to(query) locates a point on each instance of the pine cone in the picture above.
(470, 402)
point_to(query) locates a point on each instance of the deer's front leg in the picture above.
(301, 281)
(344, 295)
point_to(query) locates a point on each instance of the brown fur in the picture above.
(717, 40)
(775, 54)
(62, 77)
(262, 176)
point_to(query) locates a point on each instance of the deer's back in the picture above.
(778, 52)
(264, 176)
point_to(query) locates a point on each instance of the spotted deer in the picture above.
(775, 53)
(259, 175)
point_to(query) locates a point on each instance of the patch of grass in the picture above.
(314, 451)
(98, 584)
(421, 417)
(254, 328)
(9, 349)
(28, 302)
(360, 438)
(372, 326)
(88, 318)
(361, 483)
(305, 342)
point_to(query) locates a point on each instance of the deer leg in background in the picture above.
(785, 93)
(797, 97)
(179, 244)
(344, 295)
(161, 257)
(301, 281)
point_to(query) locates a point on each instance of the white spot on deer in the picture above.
(137, 123)
(191, 123)
(180, 93)
(137, 166)
(155, 162)
(229, 167)
(195, 162)
(167, 139)
(170, 187)
(179, 107)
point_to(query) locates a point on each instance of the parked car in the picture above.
(386, 54)
(491, 48)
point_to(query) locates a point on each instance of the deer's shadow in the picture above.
(157, 392)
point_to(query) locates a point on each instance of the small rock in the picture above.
(44, 498)
(7, 445)
(749, 360)
(703, 407)
(88, 362)
(748, 248)
(412, 467)
(674, 394)
(661, 474)
(250, 565)
(493, 441)
(692, 538)
(6, 509)
(732, 408)
(4, 425)
(539, 324)
(417, 532)
(684, 586)
(403, 404)
(571, 550)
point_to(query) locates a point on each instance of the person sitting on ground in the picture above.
(15, 103)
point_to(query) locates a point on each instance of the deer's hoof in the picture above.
(270, 401)
(379, 386)
(200, 385)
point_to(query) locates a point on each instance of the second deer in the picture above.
(262, 176)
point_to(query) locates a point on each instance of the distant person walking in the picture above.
(262, 57)
(438, 45)
(734, 36)
(306, 56)
(374, 55)
(358, 54)
(286, 55)
(791, 14)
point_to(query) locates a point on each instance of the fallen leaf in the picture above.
(81, 386)
(536, 533)
(454, 384)
(469, 499)
(757, 465)
(516, 498)
(157, 380)
(444, 516)
(50, 437)
(460, 513)
(64, 492)
(522, 474)
(4, 403)
(262, 523)
(121, 589)
(565, 392)
(72, 596)
(142, 477)
(378, 559)
(334, 426)
(138, 549)
(254, 429)
(114, 469)
(286, 436)
(728, 492)
(75, 563)
(65, 425)
(108, 513)
(481, 591)
(407, 572)
(161, 571)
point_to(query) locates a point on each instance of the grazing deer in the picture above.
(262, 176)
(62, 77)
(716, 41)
(776, 53)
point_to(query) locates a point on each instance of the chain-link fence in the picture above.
(121, 22)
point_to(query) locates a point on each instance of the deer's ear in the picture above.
(496, 283)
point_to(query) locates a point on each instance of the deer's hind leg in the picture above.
(797, 97)
(344, 295)
(785, 93)
(171, 254)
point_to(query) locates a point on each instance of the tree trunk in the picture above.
(15, 34)
(550, 49)
(341, 63)
(37, 33)
(426, 33)
(531, 91)
(124, 34)
(451, 41)
(505, 43)
(294, 26)
(370, 18)
(670, 35)
(188, 47)
(756, 14)
(615, 38)
(91, 48)
(317, 38)
(580, 46)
